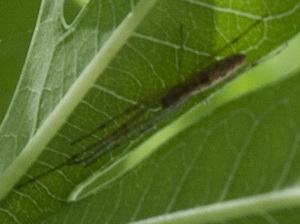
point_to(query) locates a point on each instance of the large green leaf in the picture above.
(240, 160)
(94, 55)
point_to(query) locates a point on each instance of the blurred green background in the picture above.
(17, 20)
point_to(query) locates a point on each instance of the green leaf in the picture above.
(94, 58)
(239, 160)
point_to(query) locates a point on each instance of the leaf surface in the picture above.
(56, 76)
